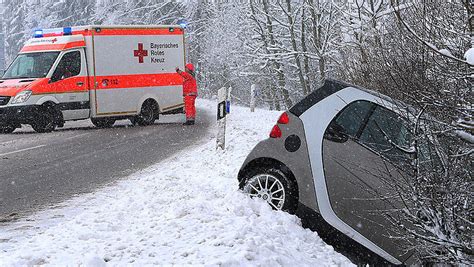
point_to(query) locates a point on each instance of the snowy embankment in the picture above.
(184, 210)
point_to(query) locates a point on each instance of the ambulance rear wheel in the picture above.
(45, 121)
(148, 114)
(103, 122)
(7, 129)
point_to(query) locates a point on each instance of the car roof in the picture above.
(332, 86)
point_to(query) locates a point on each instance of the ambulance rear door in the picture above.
(133, 64)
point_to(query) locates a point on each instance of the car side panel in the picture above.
(360, 186)
(316, 120)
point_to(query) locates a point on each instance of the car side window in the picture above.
(353, 117)
(349, 121)
(69, 66)
(388, 134)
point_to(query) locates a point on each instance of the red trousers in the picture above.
(189, 107)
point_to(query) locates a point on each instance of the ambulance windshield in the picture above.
(31, 65)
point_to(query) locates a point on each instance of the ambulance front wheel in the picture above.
(45, 121)
(103, 122)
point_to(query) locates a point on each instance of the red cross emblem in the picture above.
(140, 53)
(54, 40)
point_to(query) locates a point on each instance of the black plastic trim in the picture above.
(292, 143)
(20, 114)
(74, 105)
(4, 100)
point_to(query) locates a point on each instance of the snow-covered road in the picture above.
(183, 211)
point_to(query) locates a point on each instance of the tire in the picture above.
(7, 129)
(45, 119)
(274, 187)
(148, 114)
(103, 122)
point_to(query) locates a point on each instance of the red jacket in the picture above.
(189, 84)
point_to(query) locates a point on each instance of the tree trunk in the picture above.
(305, 50)
(296, 55)
(278, 67)
(317, 35)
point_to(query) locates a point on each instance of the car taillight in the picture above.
(276, 132)
(284, 119)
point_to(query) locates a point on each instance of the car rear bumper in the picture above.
(18, 114)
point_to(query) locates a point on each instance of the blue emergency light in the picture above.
(67, 31)
(38, 34)
(183, 23)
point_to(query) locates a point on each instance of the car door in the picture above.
(70, 83)
(366, 160)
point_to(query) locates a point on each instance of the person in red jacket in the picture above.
(189, 92)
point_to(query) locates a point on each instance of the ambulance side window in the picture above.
(69, 66)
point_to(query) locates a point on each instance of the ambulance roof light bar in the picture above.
(39, 33)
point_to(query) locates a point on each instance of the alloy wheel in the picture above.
(268, 188)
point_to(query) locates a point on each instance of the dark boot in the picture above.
(189, 122)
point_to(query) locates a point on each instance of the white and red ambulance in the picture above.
(104, 73)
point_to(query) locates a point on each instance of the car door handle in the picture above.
(80, 84)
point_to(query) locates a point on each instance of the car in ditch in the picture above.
(337, 159)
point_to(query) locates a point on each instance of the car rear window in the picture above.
(330, 87)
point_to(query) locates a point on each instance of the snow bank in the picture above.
(177, 212)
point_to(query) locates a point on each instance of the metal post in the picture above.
(222, 95)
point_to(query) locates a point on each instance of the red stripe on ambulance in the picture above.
(52, 47)
(137, 81)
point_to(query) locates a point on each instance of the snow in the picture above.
(465, 136)
(172, 214)
(469, 56)
(446, 52)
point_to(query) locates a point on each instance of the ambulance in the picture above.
(102, 73)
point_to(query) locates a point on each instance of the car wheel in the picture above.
(103, 122)
(6, 129)
(148, 114)
(274, 187)
(45, 120)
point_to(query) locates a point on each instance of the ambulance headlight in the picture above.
(21, 97)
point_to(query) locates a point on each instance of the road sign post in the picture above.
(222, 96)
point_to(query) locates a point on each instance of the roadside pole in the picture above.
(253, 94)
(222, 95)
